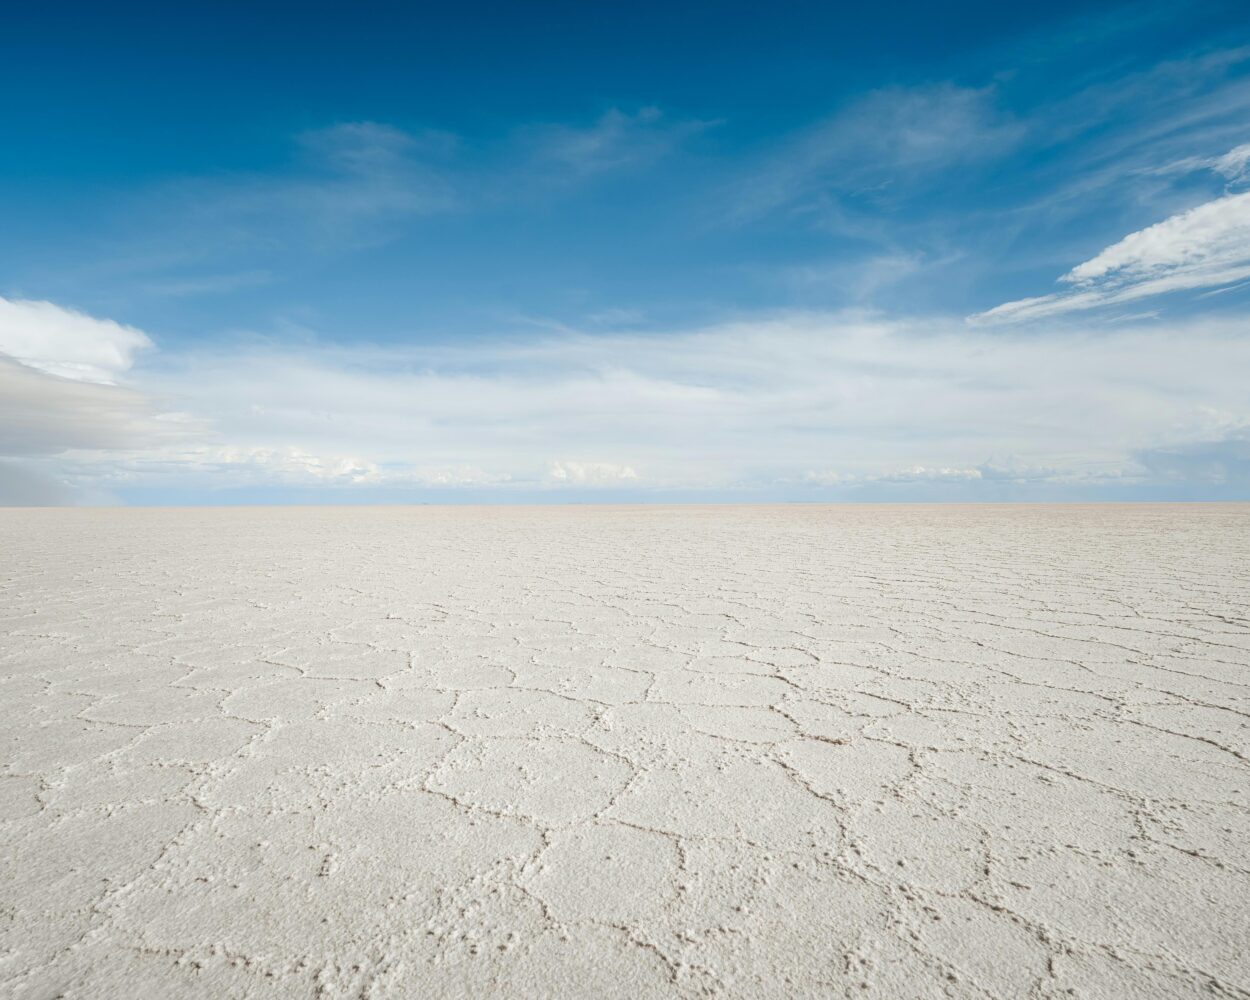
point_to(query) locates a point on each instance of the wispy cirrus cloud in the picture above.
(348, 187)
(876, 148)
(1233, 166)
(617, 140)
(356, 186)
(1099, 159)
(1205, 247)
(352, 184)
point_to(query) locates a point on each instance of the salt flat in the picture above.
(626, 752)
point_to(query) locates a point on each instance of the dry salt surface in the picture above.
(626, 752)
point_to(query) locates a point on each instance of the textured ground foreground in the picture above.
(609, 752)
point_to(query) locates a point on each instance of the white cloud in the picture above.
(294, 464)
(66, 342)
(1010, 471)
(793, 401)
(58, 386)
(758, 401)
(921, 474)
(1233, 164)
(1205, 247)
(1214, 234)
(590, 473)
(910, 474)
(453, 476)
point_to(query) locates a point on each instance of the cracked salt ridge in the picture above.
(736, 752)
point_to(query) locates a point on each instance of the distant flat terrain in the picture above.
(626, 752)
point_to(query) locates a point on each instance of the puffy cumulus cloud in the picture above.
(911, 474)
(68, 343)
(214, 468)
(292, 464)
(828, 478)
(992, 472)
(921, 474)
(590, 473)
(459, 475)
(1205, 247)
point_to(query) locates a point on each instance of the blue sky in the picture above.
(568, 252)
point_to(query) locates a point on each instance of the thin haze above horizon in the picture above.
(516, 252)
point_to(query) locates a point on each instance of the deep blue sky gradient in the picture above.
(119, 117)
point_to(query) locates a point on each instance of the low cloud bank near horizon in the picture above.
(801, 406)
